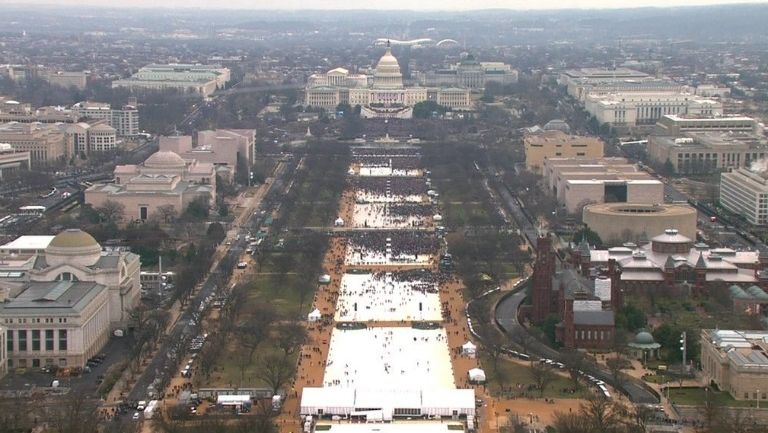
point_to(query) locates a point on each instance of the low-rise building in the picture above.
(578, 182)
(165, 181)
(675, 125)
(618, 223)
(745, 193)
(736, 361)
(12, 160)
(202, 79)
(645, 109)
(670, 260)
(45, 143)
(707, 152)
(542, 145)
(224, 148)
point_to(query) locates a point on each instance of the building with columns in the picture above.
(382, 95)
(61, 305)
(737, 361)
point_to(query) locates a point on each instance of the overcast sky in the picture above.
(385, 4)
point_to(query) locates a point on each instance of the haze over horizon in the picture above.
(443, 5)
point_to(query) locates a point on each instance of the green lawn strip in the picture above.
(521, 374)
(693, 396)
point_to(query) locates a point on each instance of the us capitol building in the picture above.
(382, 96)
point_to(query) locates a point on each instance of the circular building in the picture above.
(643, 346)
(617, 223)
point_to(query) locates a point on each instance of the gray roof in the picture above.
(572, 283)
(593, 318)
(55, 297)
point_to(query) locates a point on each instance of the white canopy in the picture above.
(438, 217)
(476, 375)
(338, 222)
(324, 279)
(314, 316)
(469, 349)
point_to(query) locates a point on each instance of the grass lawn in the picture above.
(698, 396)
(655, 378)
(519, 373)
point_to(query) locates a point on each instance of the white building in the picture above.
(745, 193)
(624, 109)
(385, 96)
(124, 120)
(60, 305)
(202, 79)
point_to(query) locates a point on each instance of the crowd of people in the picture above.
(387, 215)
(397, 246)
(397, 186)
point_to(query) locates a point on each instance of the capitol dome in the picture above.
(73, 246)
(164, 159)
(387, 73)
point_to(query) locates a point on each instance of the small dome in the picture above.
(644, 337)
(671, 236)
(73, 238)
(164, 159)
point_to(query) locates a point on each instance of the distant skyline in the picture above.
(444, 5)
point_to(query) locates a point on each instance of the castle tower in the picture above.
(543, 271)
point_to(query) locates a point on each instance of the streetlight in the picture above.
(757, 397)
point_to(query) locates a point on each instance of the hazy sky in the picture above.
(379, 4)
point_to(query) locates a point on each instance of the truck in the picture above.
(150, 410)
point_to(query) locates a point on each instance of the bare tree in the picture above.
(289, 337)
(75, 414)
(167, 213)
(542, 375)
(111, 211)
(253, 332)
(274, 371)
(574, 362)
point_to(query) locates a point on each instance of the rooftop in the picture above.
(55, 297)
(28, 242)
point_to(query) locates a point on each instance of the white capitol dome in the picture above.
(387, 73)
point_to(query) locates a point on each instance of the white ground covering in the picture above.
(389, 359)
(369, 197)
(356, 256)
(396, 427)
(384, 299)
(388, 171)
(375, 215)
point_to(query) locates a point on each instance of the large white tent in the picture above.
(447, 402)
(327, 401)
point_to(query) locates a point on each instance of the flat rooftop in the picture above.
(28, 242)
(396, 427)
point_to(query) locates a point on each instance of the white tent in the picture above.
(476, 375)
(469, 349)
(314, 316)
(339, 222)
(327, 401)
(324, 279)
(438, 218)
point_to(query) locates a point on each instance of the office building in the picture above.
(85, 138)
(745, 193)
(736, 361)
(624, 109)
(45, 142)
(165, 180)
(707, 152)
(469, 73)
(580, 83)
(542, 145)
(224, 148)
(125, 120)
(675, 125)
(202, 79)
(12, 160)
